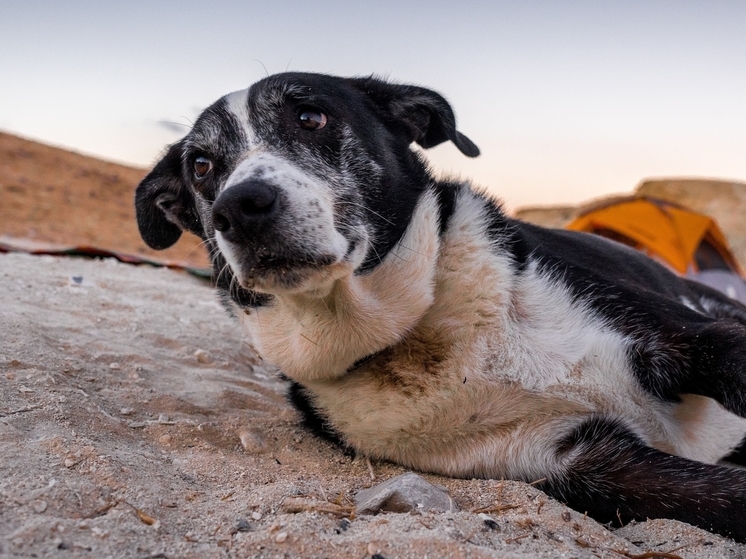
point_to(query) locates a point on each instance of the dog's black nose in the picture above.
(241, 208)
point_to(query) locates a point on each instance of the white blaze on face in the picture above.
(238, 103)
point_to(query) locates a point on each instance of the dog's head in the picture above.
(299, 180)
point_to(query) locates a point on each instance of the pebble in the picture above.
(343, 525)
(69, 462)
(38, 505)
(114, 366)
(372, 550)
(164, 439)
(252, 441)
(281, 537)
(243, 525)
(256, 515)
(99, 532)
(126, 411)
(203, 356)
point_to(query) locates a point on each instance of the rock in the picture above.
(403, 493)
(252, 441)
(38, 505)
(547, 216)
(203, 356)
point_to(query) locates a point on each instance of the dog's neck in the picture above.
(314, 338)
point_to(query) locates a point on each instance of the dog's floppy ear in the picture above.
(424, 114)
(164, 204)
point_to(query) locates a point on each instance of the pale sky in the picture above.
(568, 100)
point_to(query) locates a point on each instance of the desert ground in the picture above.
(136, 423)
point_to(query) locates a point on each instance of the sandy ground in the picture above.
(135, 424)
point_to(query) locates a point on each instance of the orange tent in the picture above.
(687, 241)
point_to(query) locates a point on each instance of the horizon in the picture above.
(567, 102)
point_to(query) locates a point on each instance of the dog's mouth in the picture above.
(278, 272)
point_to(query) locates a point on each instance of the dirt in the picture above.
(51, 195)
(135, 423)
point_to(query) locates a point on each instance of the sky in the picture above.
(567, 100)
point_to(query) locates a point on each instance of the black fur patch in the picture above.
(614, 477)
(675, 349)
(312, 419)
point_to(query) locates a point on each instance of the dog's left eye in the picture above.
(201, 167)
(311, 120)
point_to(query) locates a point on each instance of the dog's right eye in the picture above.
(310, 119)
(201, 167)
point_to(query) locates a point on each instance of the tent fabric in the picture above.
(661, 229)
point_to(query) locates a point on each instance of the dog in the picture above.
(418, 323)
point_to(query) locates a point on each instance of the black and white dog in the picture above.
(420, 324)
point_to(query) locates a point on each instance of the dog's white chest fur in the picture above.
(480, 370)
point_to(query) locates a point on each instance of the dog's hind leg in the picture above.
(705, 358)
(614, 477)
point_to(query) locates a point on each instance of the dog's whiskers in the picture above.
(367, 209)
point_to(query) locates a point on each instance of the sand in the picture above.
(135, 423)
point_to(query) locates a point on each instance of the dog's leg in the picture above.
(614, 477)
(695, 358)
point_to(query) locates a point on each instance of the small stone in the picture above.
(163, 419)
(404, 493)
(252, 441)
(243, 525)
(203, 356)
(114, 366)
(281, 537)
(38, 505)
(126, 411)
(566, 516)
(99, 532)
(69, 462)
(489, 522)
(372, 550)
(164, 439)
(256, 515)
(343, 525)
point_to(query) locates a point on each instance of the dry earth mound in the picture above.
(57, 196)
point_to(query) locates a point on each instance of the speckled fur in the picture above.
(421, 325)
